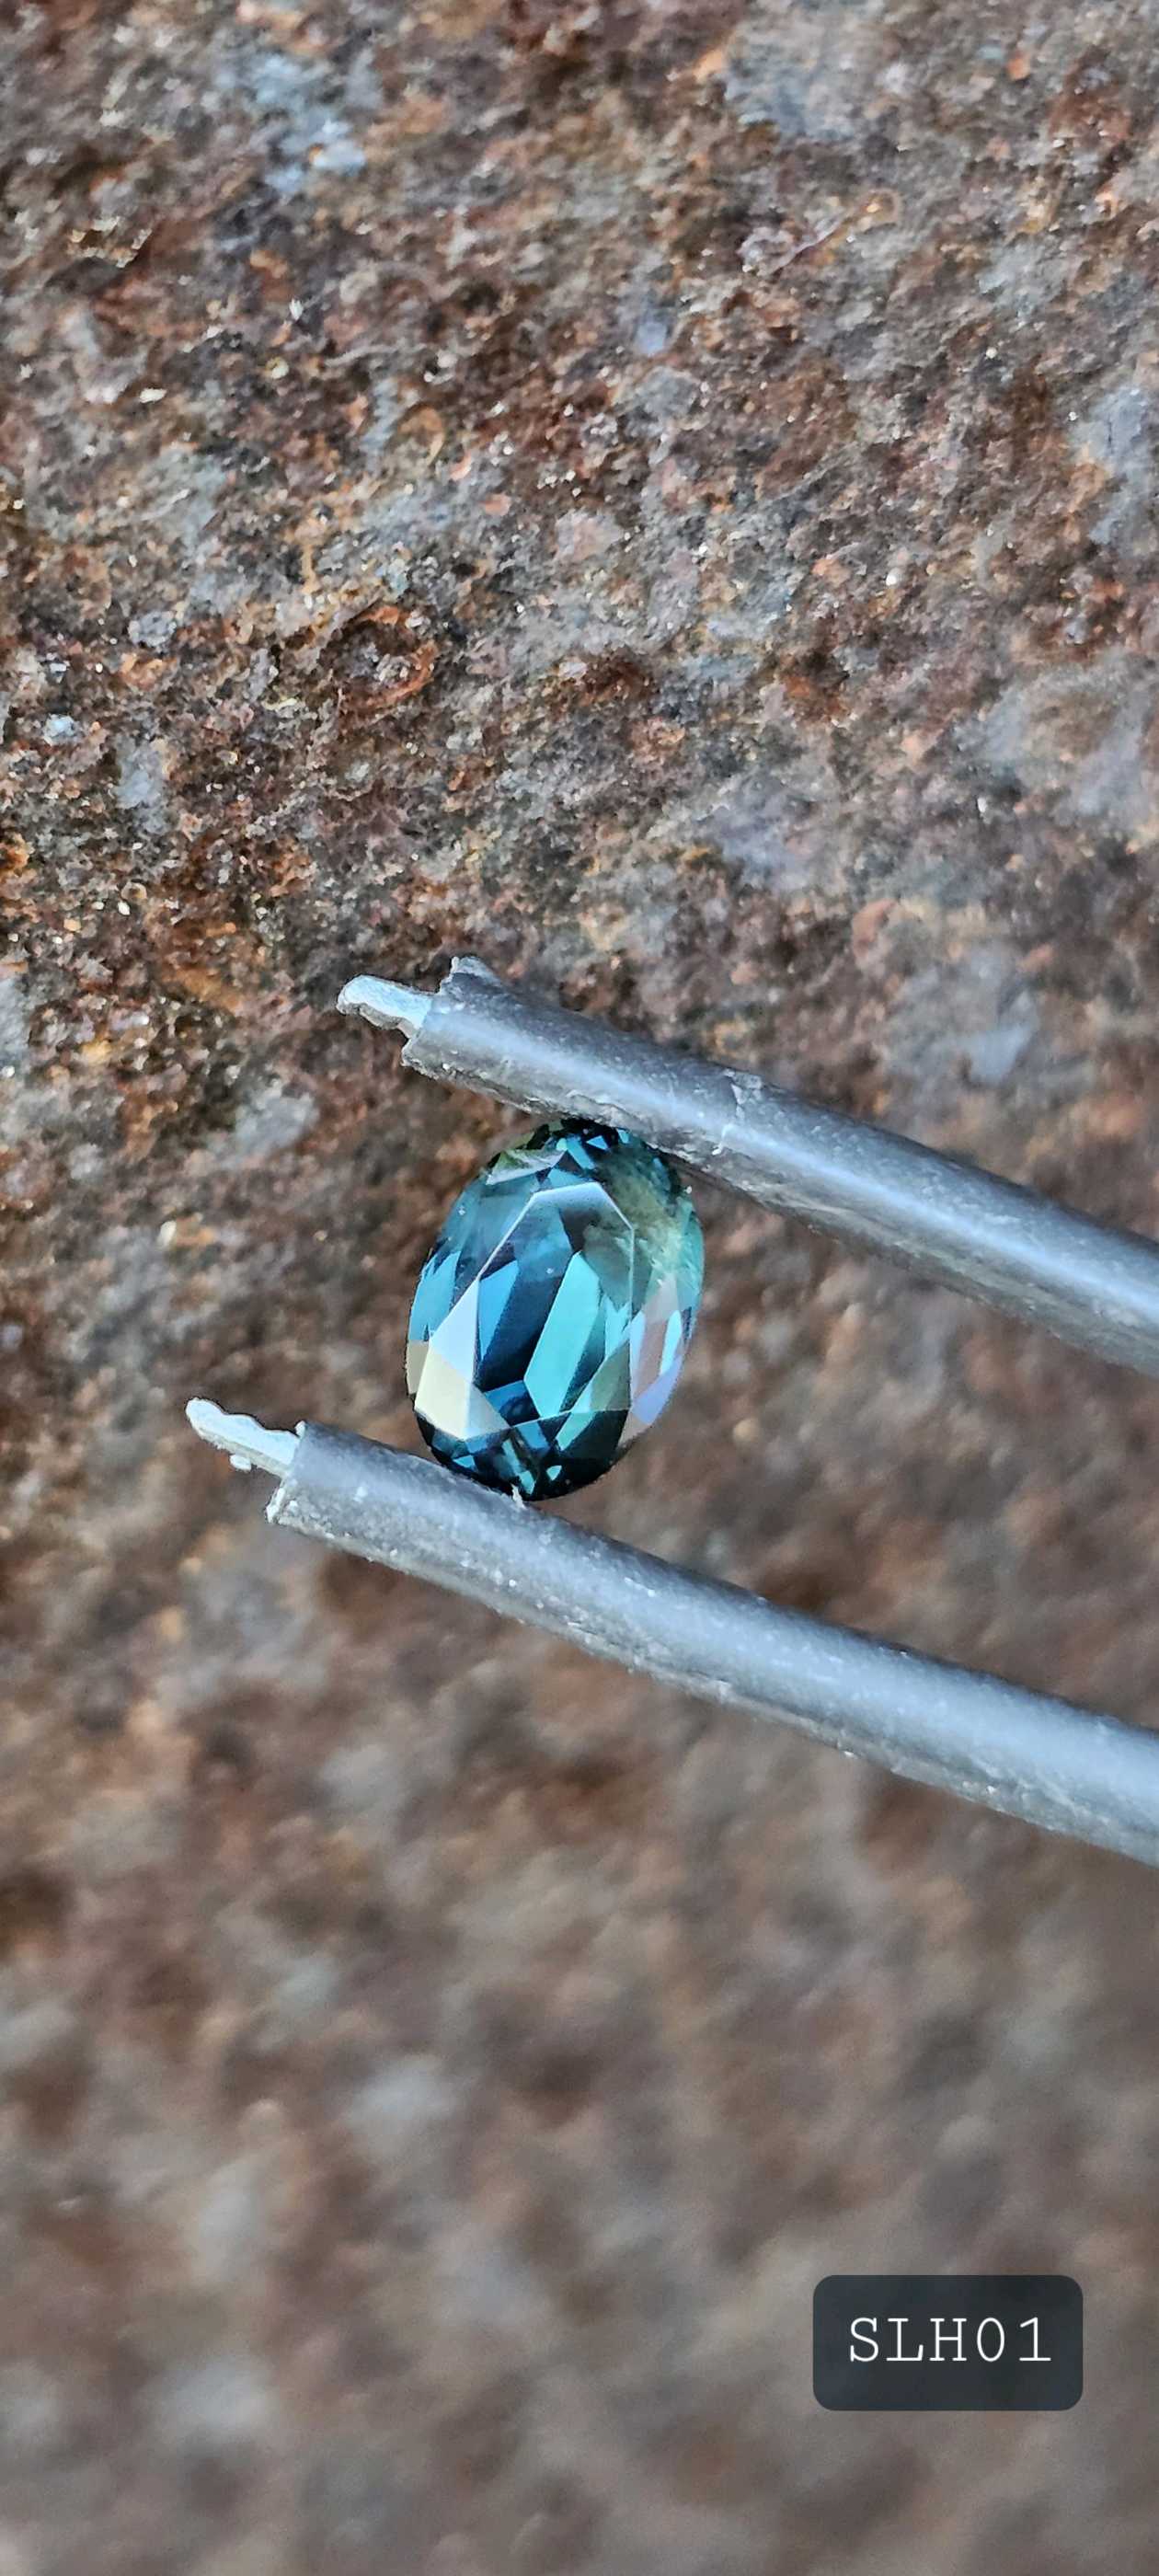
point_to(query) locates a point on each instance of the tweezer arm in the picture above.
(948, 1219)
(1008, 1749)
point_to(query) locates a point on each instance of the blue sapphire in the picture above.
(552, 1317)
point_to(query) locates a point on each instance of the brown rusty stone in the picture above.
(662, 498)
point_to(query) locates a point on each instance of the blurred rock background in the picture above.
(662, 497)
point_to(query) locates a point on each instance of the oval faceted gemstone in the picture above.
(552, 1317)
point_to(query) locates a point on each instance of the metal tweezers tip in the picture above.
(385, 1005)
(247, 1443)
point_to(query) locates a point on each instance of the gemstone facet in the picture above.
(553, 1314)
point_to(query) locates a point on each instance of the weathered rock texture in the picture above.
(661, 496)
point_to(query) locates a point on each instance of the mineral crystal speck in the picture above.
(551, 1320)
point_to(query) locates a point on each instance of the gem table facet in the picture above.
(552, 1317)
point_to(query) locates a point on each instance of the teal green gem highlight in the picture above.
(551, 1319)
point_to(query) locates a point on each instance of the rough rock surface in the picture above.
(661, 496)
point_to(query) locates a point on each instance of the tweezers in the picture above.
(1017, 1751)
